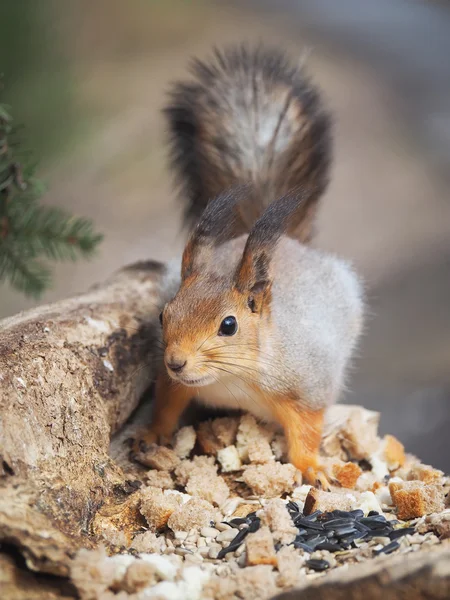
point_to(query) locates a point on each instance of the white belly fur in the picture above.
(234, 394)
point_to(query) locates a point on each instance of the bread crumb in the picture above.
(187, 467)
(394, 452)
(260, 548)
(158, 457)
(347, 474)
(148, 542)
(207, 439)
(271, 479)
(207, 486)
(194, 514)
(256, 583)
(157, 507)
(243, 510)
(184, 441)
(139, 575)
(328, 501)
(425, 473)
(259, 451)
(225, 429)
(289, 565)
(159, 479)
(93, 572)
(278, 519)
(279, 448)
(414, 499)
(249, 430)
(359, 436)
(229, 459)
(220, 588)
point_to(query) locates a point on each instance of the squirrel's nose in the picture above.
(176, 365)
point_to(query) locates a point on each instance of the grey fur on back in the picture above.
(317, 314)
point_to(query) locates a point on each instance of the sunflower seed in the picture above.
(317, 564)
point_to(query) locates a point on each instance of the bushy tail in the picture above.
(249, 116)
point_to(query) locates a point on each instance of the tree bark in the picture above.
(71, 373)
(415, 576)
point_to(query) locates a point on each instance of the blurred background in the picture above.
(87, 79)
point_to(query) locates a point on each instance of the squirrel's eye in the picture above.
(161, 317)
(228, 326)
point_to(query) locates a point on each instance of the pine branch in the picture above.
(29, 231)
(24, 274)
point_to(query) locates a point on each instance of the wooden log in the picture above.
(71, 373)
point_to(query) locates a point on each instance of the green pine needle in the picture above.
(28, 231)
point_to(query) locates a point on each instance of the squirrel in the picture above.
(261, 321)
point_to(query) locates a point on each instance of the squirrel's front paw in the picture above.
(143, 439)
(316, 477)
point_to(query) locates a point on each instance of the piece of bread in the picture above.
(276, 516)
(270, 479)
(187, 467)
(347, 474)
(210, 487)
(229, 459)
(425, 473)
(159, 457)
(259, 451)
(328, 501)
(184, 441)
(159, 479)
(148, 542)
(225, 430)
(157, 507)
(196, 513)
(414, 499)
(394, 452)
(289, 565)
(260, 549)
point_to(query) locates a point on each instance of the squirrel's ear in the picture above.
(219, 222)
(253, 276)
(253, 273)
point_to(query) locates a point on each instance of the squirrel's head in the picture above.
(210, 329)
(214, 324)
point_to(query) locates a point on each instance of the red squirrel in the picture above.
(260, 321)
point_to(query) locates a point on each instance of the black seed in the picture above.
(251, 516)
(340, 513)
(328, 546)
(236, 522)
(361, 527)
(388, 548)
(339, 522)
(302, 532)
(254, 525)
(313, 516)
(386, 532)
(348, 539)
(318, 564)
(314, 541)
(398, 533)
(278, 546)
(303, 546)
(343, 531)
(329, 533)
(374, 513)
(357, 514)
(308, 524)
(235, 542)
(292, 506)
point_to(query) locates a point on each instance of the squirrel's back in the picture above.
(249, 116)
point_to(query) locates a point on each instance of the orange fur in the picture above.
(303, 429)
(171, 399)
